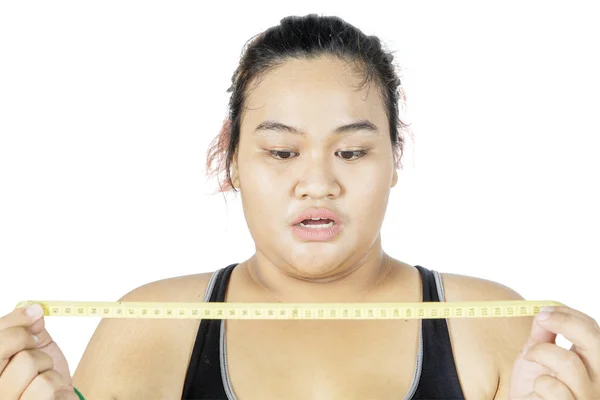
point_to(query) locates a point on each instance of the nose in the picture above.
(318, 181)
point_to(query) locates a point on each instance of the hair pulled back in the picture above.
(306, 37)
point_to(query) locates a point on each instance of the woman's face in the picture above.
(281, 172)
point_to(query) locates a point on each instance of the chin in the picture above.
(315, 265)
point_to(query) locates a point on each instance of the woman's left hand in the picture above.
(544, 370)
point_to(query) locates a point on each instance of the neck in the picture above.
(353, 282)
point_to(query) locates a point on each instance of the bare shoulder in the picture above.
(125, 356)
(498, 340)
(469, 288)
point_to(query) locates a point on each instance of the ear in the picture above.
(394, 178)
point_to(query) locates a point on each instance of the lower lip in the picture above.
(316, 235)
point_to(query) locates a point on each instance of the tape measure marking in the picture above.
(284, 311)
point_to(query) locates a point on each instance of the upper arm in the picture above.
(501, 338)
(124, 356)
(510, 335)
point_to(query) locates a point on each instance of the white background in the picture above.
(107, 108)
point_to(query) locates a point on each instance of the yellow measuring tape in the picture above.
(174, 310)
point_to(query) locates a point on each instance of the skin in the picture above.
(315, 97)
(498, 358)
(31, 369)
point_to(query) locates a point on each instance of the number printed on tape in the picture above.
(427, 310)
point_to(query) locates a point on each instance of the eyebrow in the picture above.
(362, 125)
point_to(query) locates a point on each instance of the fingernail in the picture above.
(34, 310)
(37, 339)
(547, 309)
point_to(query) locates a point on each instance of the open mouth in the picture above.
(316, 223)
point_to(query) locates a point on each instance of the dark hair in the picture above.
(306, 37)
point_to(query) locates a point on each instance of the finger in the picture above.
(566, 367)
(549, 388)
(12, 341)
(31, 317)
(572, 311)
(584, 335)
(21, 371)
(44, 386)
(38, 328)
(20, 317)
(579, 314)
(538, 334)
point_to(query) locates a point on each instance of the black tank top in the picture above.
(435, 375)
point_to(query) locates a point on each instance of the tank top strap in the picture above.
(204, 378)
(437, 377)
(218, 291)
(433, 289)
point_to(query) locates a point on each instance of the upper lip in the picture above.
(312, 212)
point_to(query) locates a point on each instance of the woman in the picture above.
(313, 142)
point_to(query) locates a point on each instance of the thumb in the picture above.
(38, 328)
(538, 334)
(49, 346)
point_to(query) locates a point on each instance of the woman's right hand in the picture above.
(30, 369)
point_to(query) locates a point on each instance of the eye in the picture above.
(351, 155)
(281, 155)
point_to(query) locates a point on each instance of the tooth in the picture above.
(320, 226)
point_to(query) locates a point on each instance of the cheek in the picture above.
(367, 192)
(263, 191)
(368, 179)
(261, 179)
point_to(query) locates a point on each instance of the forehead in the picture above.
(307, 93)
